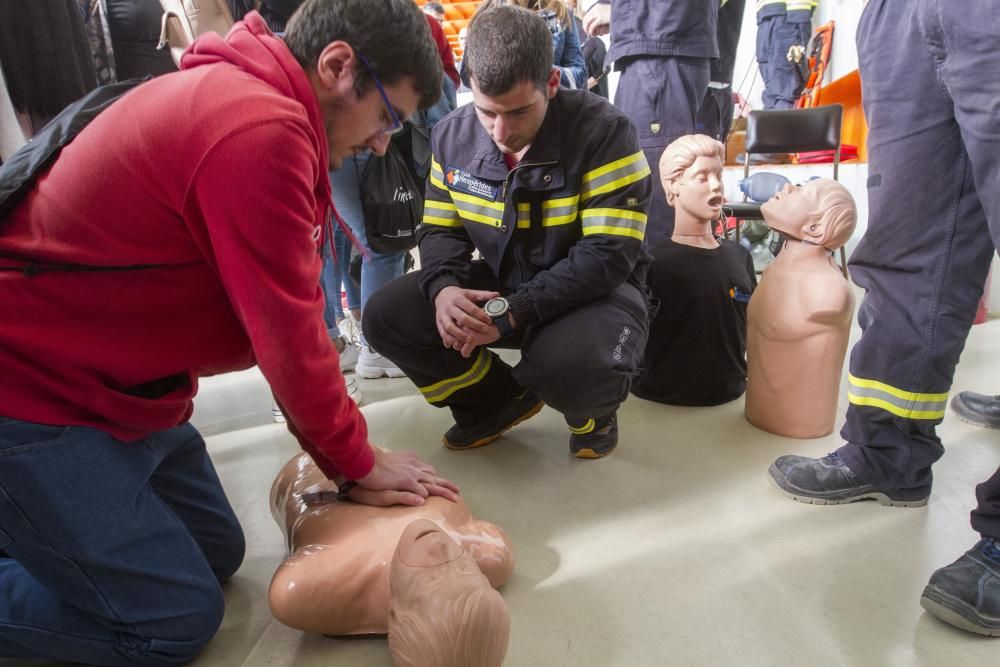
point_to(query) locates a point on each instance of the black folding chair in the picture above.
(789, 131)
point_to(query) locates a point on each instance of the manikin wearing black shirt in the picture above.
(696, 353)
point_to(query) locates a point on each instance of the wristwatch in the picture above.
(497, 309)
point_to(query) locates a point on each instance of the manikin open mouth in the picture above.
(425, 534)
(715, 201)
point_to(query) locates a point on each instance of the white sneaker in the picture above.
(348, 356)
(371, 365)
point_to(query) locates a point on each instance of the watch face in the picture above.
(496, 307)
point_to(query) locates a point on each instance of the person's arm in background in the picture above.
(597, 18)
(571, 64)
(444, 50)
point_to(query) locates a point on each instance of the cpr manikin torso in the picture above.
(696, 352)
(799, 318)
(336, 579)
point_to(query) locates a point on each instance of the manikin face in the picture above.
(699, 190)
(791, 208)
(424, 544)
(514, 118)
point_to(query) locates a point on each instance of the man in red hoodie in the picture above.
(193, 210)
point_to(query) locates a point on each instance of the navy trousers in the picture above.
(661, 96)
(933, 108)
(782, 82)
(116, 550)
(580, 363)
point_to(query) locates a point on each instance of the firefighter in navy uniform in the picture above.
(549, 185)
(930, 99)
(782, 25)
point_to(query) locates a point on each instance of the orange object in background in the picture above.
(817, 58)
(457, 15)
(846, 91)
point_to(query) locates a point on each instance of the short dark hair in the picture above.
(507, 45)
(393, 36)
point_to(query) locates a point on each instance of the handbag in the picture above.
(184, 20)
(391, 202)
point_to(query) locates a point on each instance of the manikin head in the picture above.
(691, 176)
(821, 212)
(508, 57)
(443, 612)
(370, 65)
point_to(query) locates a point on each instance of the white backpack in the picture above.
(185, 20)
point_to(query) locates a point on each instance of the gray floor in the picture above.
(674, 550)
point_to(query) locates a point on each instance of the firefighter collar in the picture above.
(460, 180)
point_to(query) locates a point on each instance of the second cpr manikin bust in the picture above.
(335, 580)
(799, 318)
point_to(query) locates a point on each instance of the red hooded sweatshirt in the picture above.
(217, 174)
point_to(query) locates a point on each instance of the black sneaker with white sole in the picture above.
(484, 431)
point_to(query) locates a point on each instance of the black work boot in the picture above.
(595, 439)
(479, 432)
(977, 409)
(828, 481)
(966, 593)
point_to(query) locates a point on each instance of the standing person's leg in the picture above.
(959, 34)
(117, 549)
(785, 82)
(582, 364)
(377, 269)
(923, 263)
(481, 392)
(765, 30)
(661, 96)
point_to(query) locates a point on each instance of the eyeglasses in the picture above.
(397, 125)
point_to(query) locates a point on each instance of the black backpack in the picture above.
(391, 202)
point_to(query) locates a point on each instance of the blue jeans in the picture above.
(334, 277)
(377, 269)
(117, 550)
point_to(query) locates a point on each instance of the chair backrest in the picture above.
(794, 130)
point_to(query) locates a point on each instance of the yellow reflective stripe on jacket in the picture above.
(524, 215)
(562, 211)
(440, 213)
(437, 175)
(619, 221)
(441, 390)
(905, 404)
(763, 3)
(614, 175)
(477, 209)
(802, 5)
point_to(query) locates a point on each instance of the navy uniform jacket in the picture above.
(663, 28)
(565, 226)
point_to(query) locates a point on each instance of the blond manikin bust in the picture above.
(799, 318)
(336, 579)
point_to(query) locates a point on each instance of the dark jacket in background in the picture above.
(45, 56)
(663, 28)
(135, 32)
